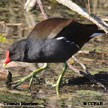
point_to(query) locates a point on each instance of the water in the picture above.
(16, 24)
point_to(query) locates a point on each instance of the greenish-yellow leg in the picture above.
(22, 80)
(60, 78)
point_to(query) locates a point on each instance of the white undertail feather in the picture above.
(96, 34)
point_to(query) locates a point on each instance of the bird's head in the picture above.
(15, 52)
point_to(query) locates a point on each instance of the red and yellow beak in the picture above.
(7, 60)
(4, 65)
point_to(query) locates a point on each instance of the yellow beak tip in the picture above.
(4, 65)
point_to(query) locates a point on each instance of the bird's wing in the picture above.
(49, 28)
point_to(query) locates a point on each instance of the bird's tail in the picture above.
(97, 33)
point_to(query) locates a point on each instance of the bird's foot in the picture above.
(29, 77)
(23, 80)
(53, 84)
(18, 82)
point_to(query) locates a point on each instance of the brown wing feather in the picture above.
(49, 28)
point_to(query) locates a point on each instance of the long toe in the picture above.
(51, 84)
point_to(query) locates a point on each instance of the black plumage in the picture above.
(52, 40)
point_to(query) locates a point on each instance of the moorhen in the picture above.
(51, 41)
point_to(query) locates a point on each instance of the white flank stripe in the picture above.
(60, 38)
(96, 34)
(67, 41)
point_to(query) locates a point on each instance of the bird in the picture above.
(53, 40)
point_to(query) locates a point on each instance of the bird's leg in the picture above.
(19, 82)
(57, 84)
(60, 78)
